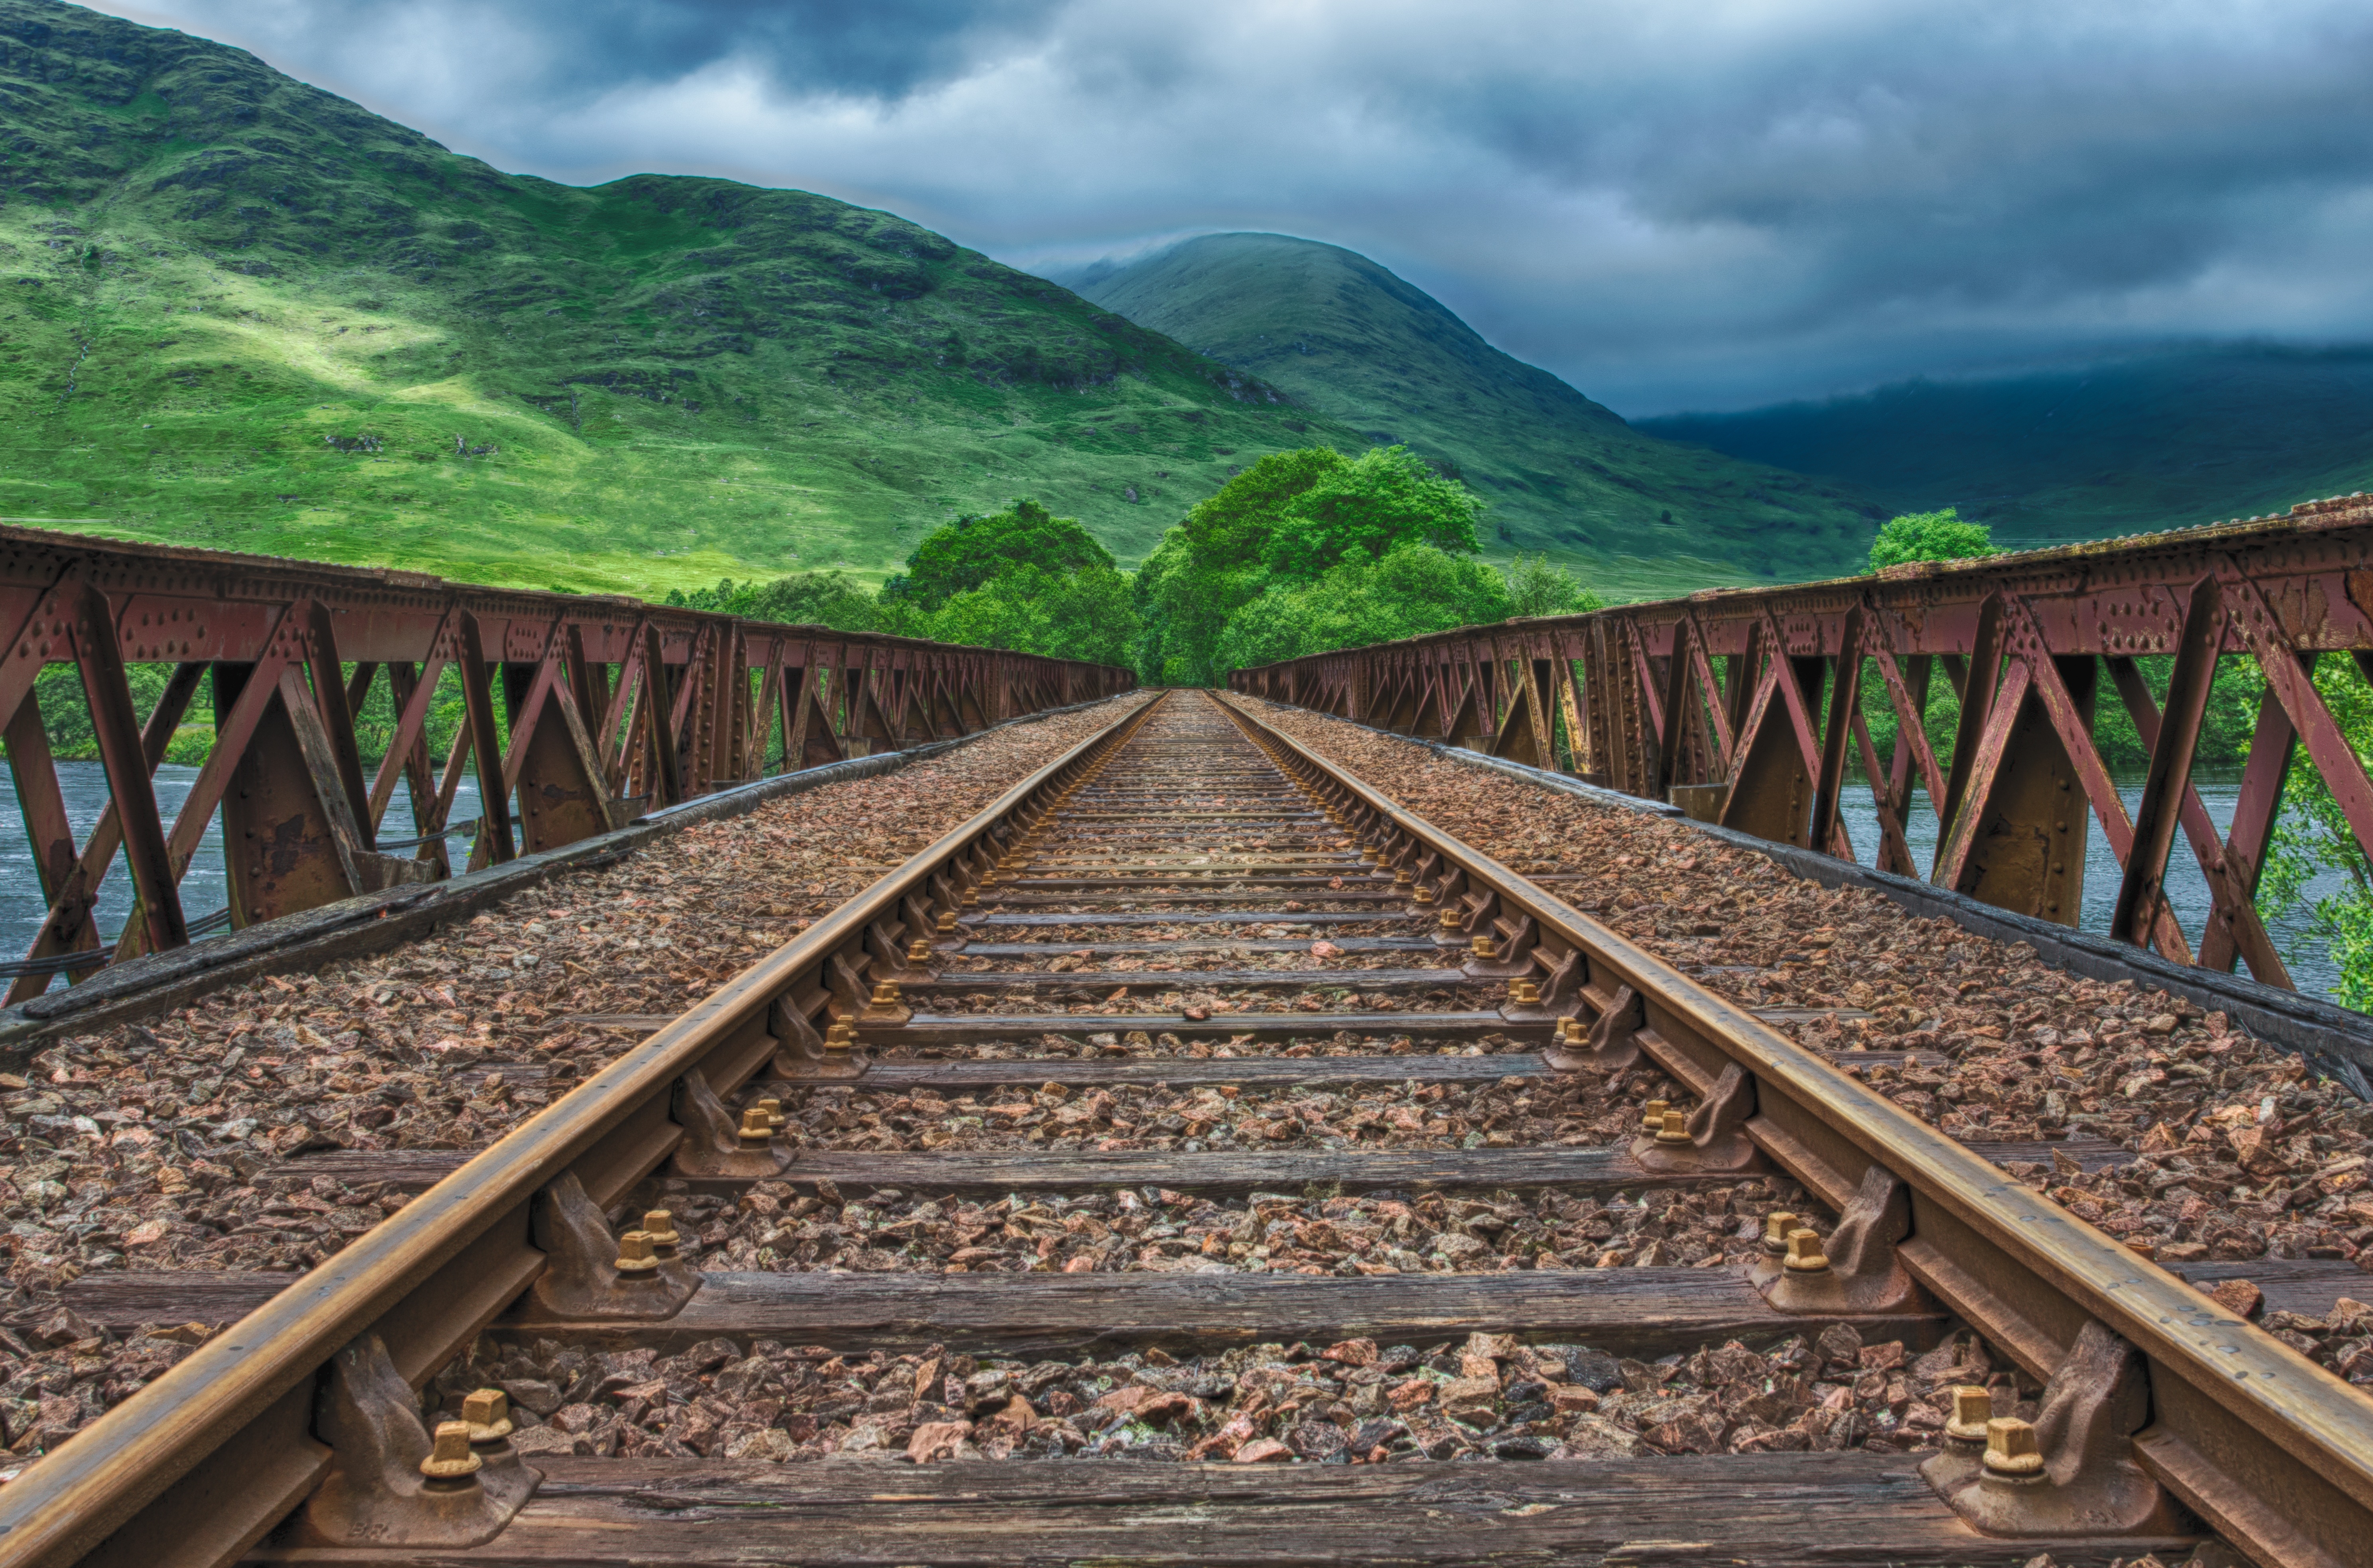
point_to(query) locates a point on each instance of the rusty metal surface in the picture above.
(613, 707)
(198, 1466)
(1726, 701)
(2273, 1449)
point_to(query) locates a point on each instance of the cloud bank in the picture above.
(1672, 206)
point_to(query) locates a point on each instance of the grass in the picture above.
(1563, 474)
(241, 313)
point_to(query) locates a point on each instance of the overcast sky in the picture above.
(1673, 206)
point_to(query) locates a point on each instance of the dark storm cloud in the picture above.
(1671, 205)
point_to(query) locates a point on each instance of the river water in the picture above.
(203, 890)
(2310, 964)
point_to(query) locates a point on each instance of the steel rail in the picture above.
(198, 1465)
(2273, 1451)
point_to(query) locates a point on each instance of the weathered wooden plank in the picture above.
(938, 1029)
(1639, 1312)
(1173, 980)
(1643, 1312)
(1597, 1172)
(1835, 1510)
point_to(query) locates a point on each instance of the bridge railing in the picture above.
(1744, 707)
(610, 707)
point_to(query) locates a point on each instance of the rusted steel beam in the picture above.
(613, 706)
(2023, 636)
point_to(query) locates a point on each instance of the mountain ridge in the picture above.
(244, 312)
(2136, 442)
(1352, 339)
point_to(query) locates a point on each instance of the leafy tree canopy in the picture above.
(1286, 521)
(1538, 587)
(1386, 497)
(968, 553)
(1931, 536)
(1413, 589)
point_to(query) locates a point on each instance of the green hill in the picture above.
(238, 311)
(2153, 441)
(1561, 474)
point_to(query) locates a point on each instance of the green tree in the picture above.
(965, 554)
(1931, 536)
(1536, 587)
(1084, 614)
(1385, 498)
(1414, 589)
(1283, 523)
(2312, 838)
(831, 598)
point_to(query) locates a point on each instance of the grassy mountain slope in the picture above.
(1349, 339)
(238, 311)
(2156, 441)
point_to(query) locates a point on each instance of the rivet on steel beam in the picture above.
(1676, 1128)
(1776, 1226)
(450, 1462)
(1652, 1118)
(1805, 1255)
(487, 1414)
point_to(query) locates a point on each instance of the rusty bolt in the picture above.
(886, 993)
(838, 1039)
(972, 898)
(918, 951)
(452, 1459)
(1804, 1254)
(1485, 947)
(947, 922)
(1449, 919)
(2010, 1448)
(1776, 1226)
(1972, 1407)
(1676, 1128)
(774, 1116)
(636, 1258)
(659, 1225)
(1570, 1029)
(1423, 896)
(487, 1414)
(1523, 992)
(1403, 876)
(1652, 1117)
(757, 1130)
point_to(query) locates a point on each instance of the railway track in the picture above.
(1192, 1107)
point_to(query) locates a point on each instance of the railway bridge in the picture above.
(888, 1104)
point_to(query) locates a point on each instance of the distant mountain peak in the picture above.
(1348, 337)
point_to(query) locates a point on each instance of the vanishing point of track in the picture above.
(1175, 851)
